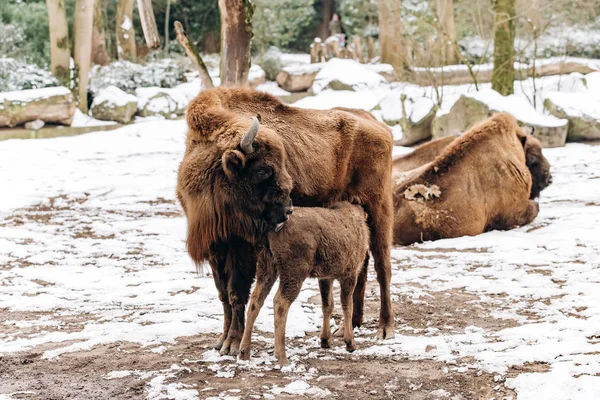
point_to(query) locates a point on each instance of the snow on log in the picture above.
(298, 78)
(54, 104)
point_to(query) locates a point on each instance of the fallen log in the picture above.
(55, 104)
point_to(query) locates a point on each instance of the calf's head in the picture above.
(538, 165)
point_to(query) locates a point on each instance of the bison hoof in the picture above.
(350, 347)
(325, 343)
(244, 354)
(231, 347)
(385, 332)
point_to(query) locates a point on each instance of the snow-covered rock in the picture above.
(271, 63)
(256, 76)
(190, 89)
(472, 108)
(581, 109)
(413, 115)
(53, 104)
(298, 78)
(113, 104)
(155, 101)
(346, 74)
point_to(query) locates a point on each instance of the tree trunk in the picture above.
(167, 17)
(148, 24)
(99, 52)
(236, 38)
(445, 14)
(60, 53)
(390, 32)
(125, 34)
(82, 53)
(327, 13)
(192, 53)
(503, 75)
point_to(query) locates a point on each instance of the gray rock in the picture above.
(113, 104)
(155, 101)
(473, 108)
(413, 115)
(581, 109)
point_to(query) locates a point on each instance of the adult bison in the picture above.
(486, 179)
(238, 179)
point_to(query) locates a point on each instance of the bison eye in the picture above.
(263, 173)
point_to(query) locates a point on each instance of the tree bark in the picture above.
(194, 55)
(390, 32)
(503, 75)
(125, 33)
(167, 17)
(148, 24)
(99, 52)
(445, 14)
(82, 53)
(60, 53)
(236, 38)
(327, 13)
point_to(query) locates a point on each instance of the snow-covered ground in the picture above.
(92, 254)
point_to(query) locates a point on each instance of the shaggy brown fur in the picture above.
(319, 243)
(313, 157)
(421, 155)
(479, 182)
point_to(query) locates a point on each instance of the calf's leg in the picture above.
(325, 287)
(347, 288)
(265, 278)
(286, 294)
(359, 294)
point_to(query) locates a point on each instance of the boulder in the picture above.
(113, 104)
(256, 76)
(298, 78)
(155, 101)
(474, 107)
(271, 63)
(412, 115)
(54, 104)
(581, 109)
(346, 74)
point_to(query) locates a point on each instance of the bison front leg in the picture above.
(241, 261)
(217, 261)
(380, 221)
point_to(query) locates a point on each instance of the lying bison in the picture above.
(238, 179)
(486, 179)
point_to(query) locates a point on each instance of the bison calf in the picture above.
(325, 243)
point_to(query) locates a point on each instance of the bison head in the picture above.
(236, 185)
(538, 165)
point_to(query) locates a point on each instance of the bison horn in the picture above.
(249, 137)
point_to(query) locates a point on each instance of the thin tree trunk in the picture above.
(167, 17)
(99, 52)
(60, 53)
(82, 54)
(148, 24)
(192, 53)
(327, 13)
(503, 75)
(445, 14)
(125, 33)
(390, 32)
(236, 38)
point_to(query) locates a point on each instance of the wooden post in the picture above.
(358, 51)
(194, 55)
(60, 52)
(370, 48)
(315, 51)
(148, 23)
(82, 54)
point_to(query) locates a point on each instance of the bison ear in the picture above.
(233, 162)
